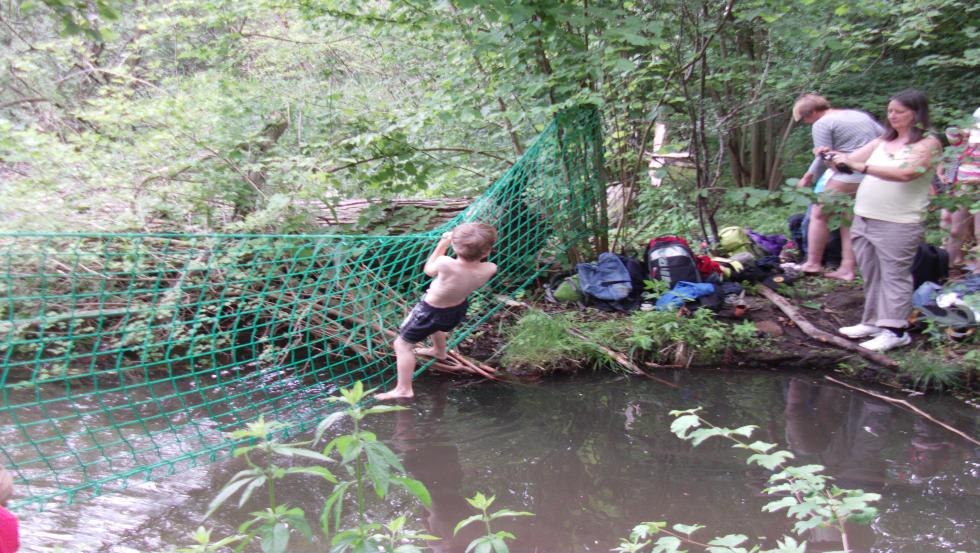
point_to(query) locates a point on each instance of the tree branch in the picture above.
(23, 101)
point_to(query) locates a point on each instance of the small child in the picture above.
(444, 304)
(9, 533)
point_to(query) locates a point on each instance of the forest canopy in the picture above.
(260, 115)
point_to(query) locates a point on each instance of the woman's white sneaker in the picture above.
(859, 331)
(887, 340)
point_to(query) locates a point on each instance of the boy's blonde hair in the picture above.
(6, 487)
(473, 241)
(808, 104)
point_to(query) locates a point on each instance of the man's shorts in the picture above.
(424, 320)
(851, 178)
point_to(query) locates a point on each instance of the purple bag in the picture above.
(772, 244)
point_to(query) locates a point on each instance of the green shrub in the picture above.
(549, 340)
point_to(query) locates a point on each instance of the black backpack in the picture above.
(670, 259)
(831, 251)
(930, 264)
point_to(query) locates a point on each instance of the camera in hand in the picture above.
(839, 167)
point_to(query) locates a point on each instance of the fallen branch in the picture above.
(906, 405)
(456, 362)
(786, 307)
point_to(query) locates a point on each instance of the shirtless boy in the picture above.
(444, 304)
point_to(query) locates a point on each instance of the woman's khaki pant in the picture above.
(885, 252)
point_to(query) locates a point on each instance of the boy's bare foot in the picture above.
(808, 269)
(430, 352)
(841, 274)
(395, 394)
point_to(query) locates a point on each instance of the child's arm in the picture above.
(431, 267)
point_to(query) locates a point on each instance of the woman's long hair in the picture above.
(916, 101)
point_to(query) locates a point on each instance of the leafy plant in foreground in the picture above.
(492, 541)
(807, 495)
(366, 463)
(365, 459)
(274, 524)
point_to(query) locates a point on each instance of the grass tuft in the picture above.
(931, 371)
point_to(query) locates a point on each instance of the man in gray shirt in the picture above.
(840, 130)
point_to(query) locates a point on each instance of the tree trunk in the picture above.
(254, 184)
(348, 212)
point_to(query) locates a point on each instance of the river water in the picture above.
(592, 457)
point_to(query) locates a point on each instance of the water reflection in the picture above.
(430, 456)
(592, 457)
(847, 434)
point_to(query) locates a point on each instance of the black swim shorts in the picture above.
(424, 320)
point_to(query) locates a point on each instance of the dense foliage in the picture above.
(258, 115)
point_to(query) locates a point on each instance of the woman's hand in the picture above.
(448, 235)
(841, 162)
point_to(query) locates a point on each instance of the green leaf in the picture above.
(480, 501)
(322, 472)
(667, 544)
(699, 436)
(277, 540)
(416, 488)
(745, 430)
(682, 424)
(761, 447)
(254, 485)
(348, 446)
(290, 451)
(687, 530)
(781, 503)
(509, 513)
(647, 529)
(465, 521)
(326, 423)
(728, 541)
(770, 461)
(499, 545)
(384, 409)
(334, 505)
(480, 545)
(224, 494)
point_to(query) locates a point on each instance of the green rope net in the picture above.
(131, 356)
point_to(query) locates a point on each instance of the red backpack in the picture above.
(670, 259)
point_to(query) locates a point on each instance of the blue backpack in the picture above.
(606, 279)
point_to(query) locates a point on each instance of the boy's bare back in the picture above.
(456, 279)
